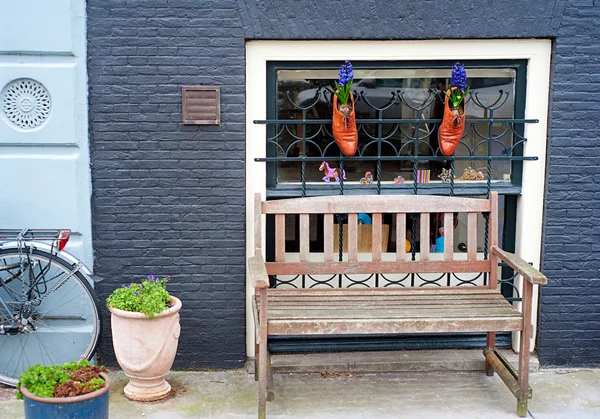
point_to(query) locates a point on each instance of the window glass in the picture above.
(401, 92)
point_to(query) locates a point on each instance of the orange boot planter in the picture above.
(343, 122)
(452, 128)
(453, 123)
(344, 126)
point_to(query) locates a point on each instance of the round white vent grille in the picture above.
(26, 103)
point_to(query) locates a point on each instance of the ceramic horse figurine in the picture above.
(331, 173)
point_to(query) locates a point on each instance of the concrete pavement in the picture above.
(557, 394)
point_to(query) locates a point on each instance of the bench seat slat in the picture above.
(416, 304)
(351, 314)
(403, 311)
(384, 326)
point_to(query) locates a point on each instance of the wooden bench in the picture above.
(389, 310)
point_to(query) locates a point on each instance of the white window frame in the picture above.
(530, 204)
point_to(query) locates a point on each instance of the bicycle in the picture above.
(49, 312)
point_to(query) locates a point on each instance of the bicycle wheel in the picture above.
(64, 327)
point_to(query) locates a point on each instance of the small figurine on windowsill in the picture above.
(367, 180)
(331, 172)
(446, 176)
(399, 179)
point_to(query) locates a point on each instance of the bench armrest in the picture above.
(523, 268)
(258, 272)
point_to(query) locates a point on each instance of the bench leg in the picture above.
(270, 386)
(262, 381)
(490, 344)
(256, 362)
(263, 356)
(522, 408)
(523, 375)
(270, 391)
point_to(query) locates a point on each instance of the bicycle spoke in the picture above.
(23, 354)
(61, 331)
(13, 355)
(67, 318)
(4, 339)
(62, 354)
(46, 349)
(63, 297)
(40, 346)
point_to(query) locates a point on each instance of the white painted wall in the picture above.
(44, 172)
(536, 51)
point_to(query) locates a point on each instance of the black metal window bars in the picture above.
(406, 149)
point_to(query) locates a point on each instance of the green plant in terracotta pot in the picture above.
(76, 389)
(145, 332)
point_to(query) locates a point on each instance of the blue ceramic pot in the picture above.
(88, 406)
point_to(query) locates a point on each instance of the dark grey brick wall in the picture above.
(169, 199)
(570, 315)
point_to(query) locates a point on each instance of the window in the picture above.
(408, 99)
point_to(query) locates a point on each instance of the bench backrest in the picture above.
(377, 205)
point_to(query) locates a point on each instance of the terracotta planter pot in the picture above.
(452, 127)
(91, 406)
(146, 349)
(344, 129)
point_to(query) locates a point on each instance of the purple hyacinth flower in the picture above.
(134, 293)
(459, 77)
(346, 74)
(152, 277)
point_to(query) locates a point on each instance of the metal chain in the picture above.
(415, 187)
(378, 176)
(452, 177)
(303, 174)
(489, 178)
(341, 236)
(341, 176)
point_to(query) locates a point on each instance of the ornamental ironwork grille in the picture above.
(398, 133)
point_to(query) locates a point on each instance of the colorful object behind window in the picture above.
(331, 172)
(423, 176)
(367, 180)
(399, 179)
(446, 176)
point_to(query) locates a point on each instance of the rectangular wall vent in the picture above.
(201, 105)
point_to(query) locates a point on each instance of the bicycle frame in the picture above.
(27, 239)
